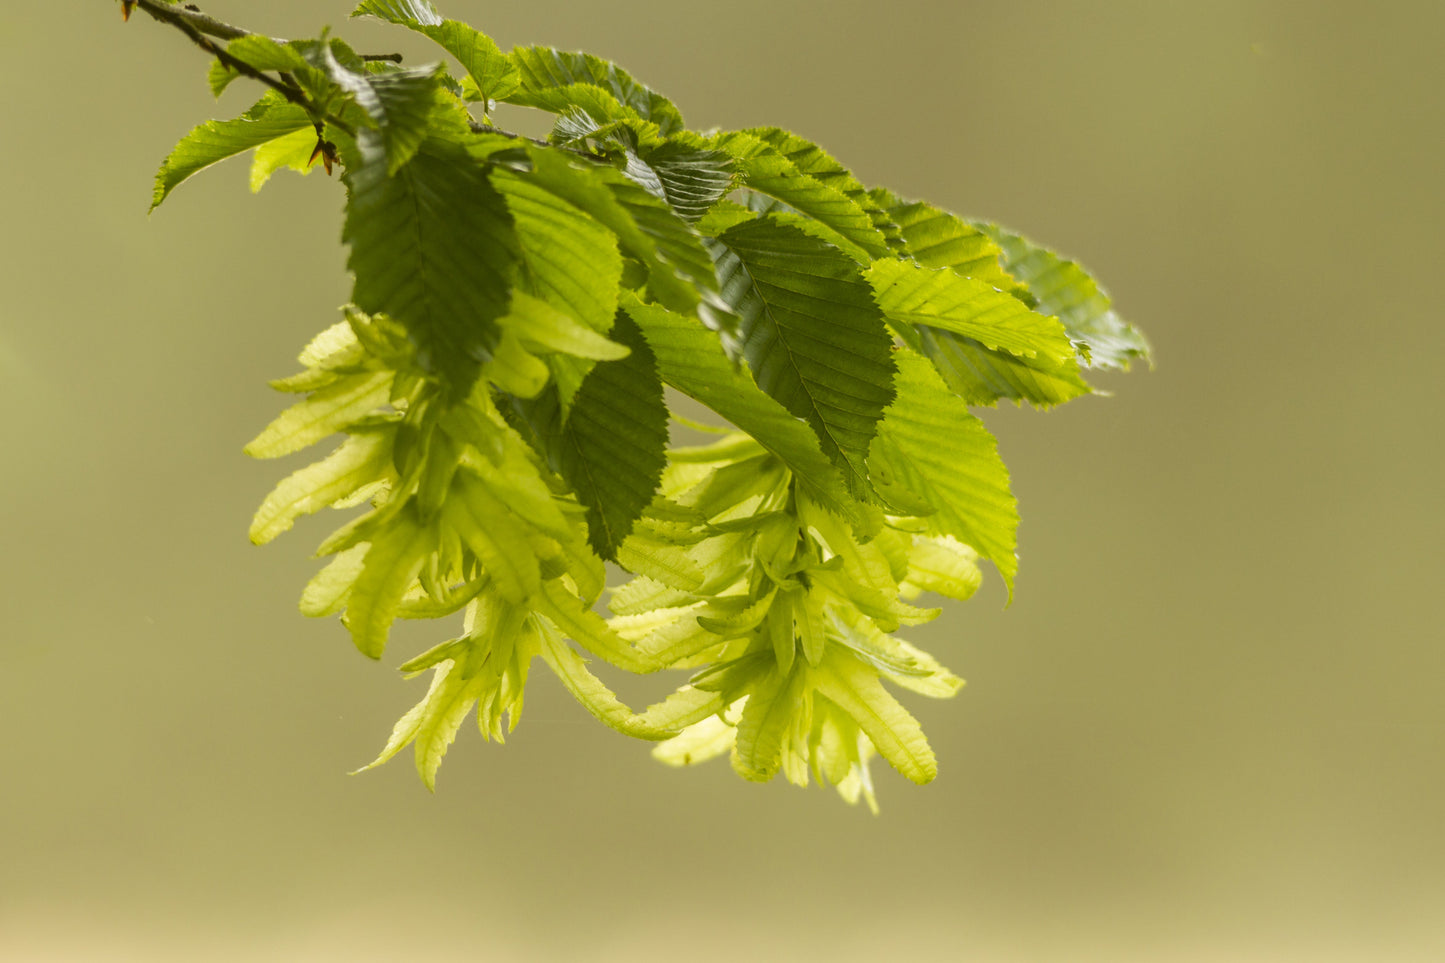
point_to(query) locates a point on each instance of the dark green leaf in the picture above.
(433, 247)
(691, 360)
(689, 180)
(613, 444)
(812, 334)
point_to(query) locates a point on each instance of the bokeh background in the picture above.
(1209, 727)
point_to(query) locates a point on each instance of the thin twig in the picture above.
(200, 27)
(184, 21)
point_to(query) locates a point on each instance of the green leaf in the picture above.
(399, 103)
(662, 721)
(295, 151)
(767, 171)
(494, 535)
(688, 179)
(772, 706)
(360, 461)
(691, 360)
(932, 447)
(812, 334)
(854, 687)
(326, 593)
(982, 377)
(680, 271)
(433, 247)
(613, 444)
(818, 164)
(391, 565)
(941, 565)
(1065, 289)
(446, 707)
(567, 259)
(985, 343)
(494, 72)
(542, 329)
(545, 68)
(588, 629)
(214, 141)
(943, 299)
(938, 239)
(323, 412)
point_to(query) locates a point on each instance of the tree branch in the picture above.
(200, 28)
(196, 25)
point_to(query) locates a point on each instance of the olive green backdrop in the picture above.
(1209, 728)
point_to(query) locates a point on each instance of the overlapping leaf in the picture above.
(433, 247)
(271, 118)
(937, 460)
(690, 360)
(767, 171)
(492, 71)
(812, 334)
(985, 343)
(613, 441)
(544, 70)
(680, 272)
(1065, 290)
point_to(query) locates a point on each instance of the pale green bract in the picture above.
(521, 309)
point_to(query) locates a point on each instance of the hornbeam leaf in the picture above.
(691, 360)
(931, 446)
(495, 74)
(943, 299)
(661, 721)
(981, 376)
(544, 330)
(938, 239)
(399, 103)
(767, 171)
(361, 460)
(433, 247)
(544, 68)
(326, 593)
(943, 565)
(985, 343)
(567, 259)
(406, 727)
(688, 179)
(613, 444)
(272, 117)
(588, 629)
(680, 272)
(495, 536)
(854, 687)
(1065, 289)
(323, 412)
(446, 707)
(766, 717)
(817, 163)
(812, 334)
(296, 151)
(388, 570)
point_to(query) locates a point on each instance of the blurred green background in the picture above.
(1209, 728)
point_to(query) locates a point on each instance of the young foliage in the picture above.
(520, 307)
